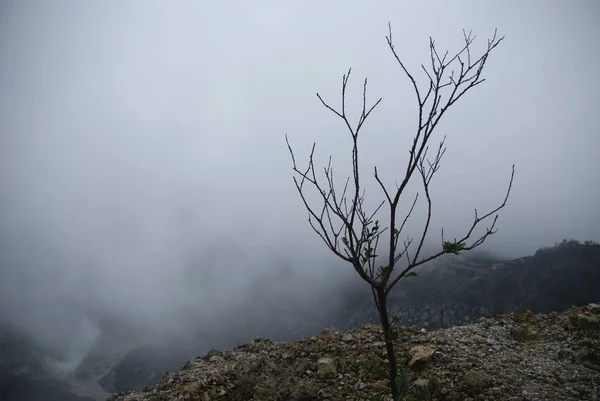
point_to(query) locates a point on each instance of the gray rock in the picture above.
(420, 356)
(588, 322)
(477, 379)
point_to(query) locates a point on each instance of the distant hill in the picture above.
(457, 289)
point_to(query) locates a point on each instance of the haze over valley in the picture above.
(146, 192)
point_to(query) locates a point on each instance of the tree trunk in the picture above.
(389, 344)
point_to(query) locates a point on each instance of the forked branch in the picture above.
(353, 222)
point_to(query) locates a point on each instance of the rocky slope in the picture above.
(503, 357)
(451, 291)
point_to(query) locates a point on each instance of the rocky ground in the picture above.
(504, 357)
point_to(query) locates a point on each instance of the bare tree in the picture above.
(350, 231)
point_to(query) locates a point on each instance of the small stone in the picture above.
(518, 333)
(212, 353)
(573, 391)
(588, 322)
(586, 354)
(420, 356)
(594, 308)
(421, 383)
(324, 361)
(326, 367)
(477, 379)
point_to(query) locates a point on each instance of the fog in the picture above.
(144, 172)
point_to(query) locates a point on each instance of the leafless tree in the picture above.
(350, 231)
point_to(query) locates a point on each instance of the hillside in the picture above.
(450, 292)
(504, 357)
(457, 289)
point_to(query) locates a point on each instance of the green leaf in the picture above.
(411, 274)
(366, 364)
(345, 241)
(403, 382)
(453, 247)
(399, 382)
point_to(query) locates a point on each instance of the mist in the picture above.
(144, 173)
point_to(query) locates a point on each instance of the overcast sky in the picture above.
(142, 142)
